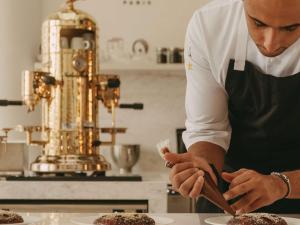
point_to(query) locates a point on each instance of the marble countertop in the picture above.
(153, 191)
(153, 188)
(204, 216)
(86, 218)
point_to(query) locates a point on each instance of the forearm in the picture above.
(294, 177)
(212, 153)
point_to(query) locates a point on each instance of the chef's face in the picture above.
(274, 25)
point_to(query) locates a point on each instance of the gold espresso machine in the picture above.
(69, 88)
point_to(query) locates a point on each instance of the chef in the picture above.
(243, 105)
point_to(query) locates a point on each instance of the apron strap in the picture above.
(242, 44)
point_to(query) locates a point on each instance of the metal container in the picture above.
(125, 157)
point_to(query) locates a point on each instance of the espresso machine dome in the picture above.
(69, 88)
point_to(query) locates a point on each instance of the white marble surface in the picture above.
(146, 176)
(153, 191)
(204, 216)
(67, 218)
(70, 218)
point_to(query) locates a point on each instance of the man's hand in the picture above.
(187, 173)
(257, 190)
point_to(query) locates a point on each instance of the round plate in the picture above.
(29, 220)
(222, 220)
(162, 220)
(88, 220)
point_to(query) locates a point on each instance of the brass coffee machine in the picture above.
(69, 88)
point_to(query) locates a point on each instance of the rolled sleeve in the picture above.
(206, 100)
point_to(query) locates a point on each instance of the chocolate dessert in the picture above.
(257, 219)
(124, 219)
(7, 217)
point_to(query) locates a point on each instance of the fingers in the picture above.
(179, 178)
(185, 179)
(202, 164)
(188, 185)
(254, 206)
(164, 151)
(198, 162)
(177, 158)
(230, 176)
(238, 190)
(181, 167)
(245, 202)
(242, 178)
(182, 177)
(255, 190)
(195, 192)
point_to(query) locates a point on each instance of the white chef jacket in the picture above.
(210, 44)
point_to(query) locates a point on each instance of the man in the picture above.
(243, 105)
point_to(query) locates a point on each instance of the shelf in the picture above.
(152, 68)
(145, 68)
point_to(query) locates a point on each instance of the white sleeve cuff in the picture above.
(220, 138)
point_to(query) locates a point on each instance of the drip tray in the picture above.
(75, 178)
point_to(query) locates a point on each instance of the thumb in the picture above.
(177, 158)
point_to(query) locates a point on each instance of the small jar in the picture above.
(176, 55)
(162, 55)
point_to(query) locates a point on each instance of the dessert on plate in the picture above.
(257, 219)
(124, 219)
(9, 217)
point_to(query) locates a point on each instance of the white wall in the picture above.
(161, 24)
(19, 40)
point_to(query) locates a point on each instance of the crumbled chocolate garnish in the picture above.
(257, 219)
(124, 219)
(8, 217)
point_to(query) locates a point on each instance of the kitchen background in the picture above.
(160, 87)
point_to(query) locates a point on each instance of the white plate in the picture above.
(162, 220)
(29, 220)
(88, 220)
(222, 220)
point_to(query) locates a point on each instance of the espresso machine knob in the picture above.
(48, 80)
(96, 143)
(113, 83)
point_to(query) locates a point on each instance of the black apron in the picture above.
(264, 113)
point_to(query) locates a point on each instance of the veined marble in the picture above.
(154, 192)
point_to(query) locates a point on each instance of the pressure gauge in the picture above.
(140, 47)
(79, 63)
